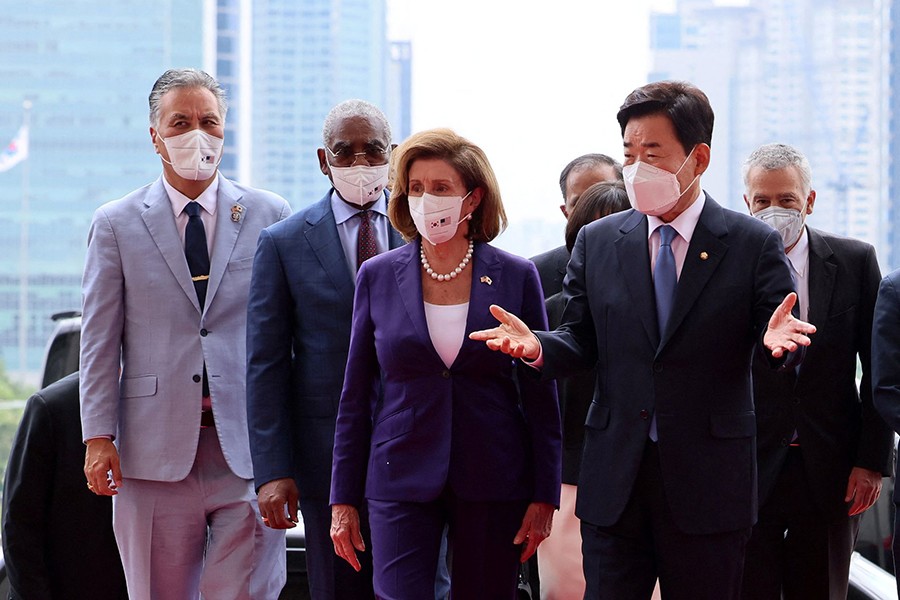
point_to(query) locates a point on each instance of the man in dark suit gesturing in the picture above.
(670, 301)
(822, 448)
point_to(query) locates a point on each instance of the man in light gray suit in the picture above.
(163, 411)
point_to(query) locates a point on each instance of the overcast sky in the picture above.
(533, 87)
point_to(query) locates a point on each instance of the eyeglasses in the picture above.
(344, 157)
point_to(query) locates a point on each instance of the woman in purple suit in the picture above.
(434, 429)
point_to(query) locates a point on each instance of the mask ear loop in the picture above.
(468, 217)
(679, 171)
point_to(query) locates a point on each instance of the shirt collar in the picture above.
(207, 199)
(685, 223)
(344, 211)
(799, 254)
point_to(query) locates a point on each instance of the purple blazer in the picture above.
(408, 426)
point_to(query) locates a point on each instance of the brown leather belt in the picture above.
(206, 419)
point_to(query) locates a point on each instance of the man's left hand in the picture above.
(535, 528)
(863, 489)
(786, 332)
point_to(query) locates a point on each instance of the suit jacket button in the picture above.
(203, 332)
(196, 378)
(657, 367)
(645, 414)
(784, 442)
(796, 400)
(445, 374)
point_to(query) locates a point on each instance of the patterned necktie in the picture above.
(665, 279)
(365, 243)
(195, 250)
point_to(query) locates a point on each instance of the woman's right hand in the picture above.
(345, 533)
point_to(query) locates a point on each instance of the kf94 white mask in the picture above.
(194, 155)
(436, 217)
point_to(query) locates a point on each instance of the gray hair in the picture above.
(354, 108)
(772, 157)
(184, 78)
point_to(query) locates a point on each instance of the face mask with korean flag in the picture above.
(436, 217)
(194, 155)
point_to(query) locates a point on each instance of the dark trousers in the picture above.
(406, 543)
(331, 577)
(623, 561)
(794, 550)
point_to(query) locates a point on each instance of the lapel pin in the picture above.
(704, 256)
(486, 279)
(237, 213)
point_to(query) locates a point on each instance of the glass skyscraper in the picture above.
(810, 73)
(308, 55)
(86, 68)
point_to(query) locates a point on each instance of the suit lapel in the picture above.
(632, 251)
(322, 237)
(408, 272)
(704, 255)
(228, 201)
(822, 272)
(486, 267)
(160, 223)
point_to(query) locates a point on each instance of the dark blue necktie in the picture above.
(197, 255)
(196, 251)
(665, 279)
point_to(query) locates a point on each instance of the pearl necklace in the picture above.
(452, 274)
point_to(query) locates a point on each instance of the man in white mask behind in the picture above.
(163, 344)
(822, 448)
(298, 334)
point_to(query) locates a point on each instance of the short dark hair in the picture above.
(598, 201)
(588, 161)
(684, 103)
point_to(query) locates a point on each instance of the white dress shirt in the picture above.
(207, 200)
(684, 224)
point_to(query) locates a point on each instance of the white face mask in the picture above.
(361, 184)
(437, 217)
(651, 190)
(786, 221)
(194, 155)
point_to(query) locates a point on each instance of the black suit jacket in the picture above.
(58, 540)
(551, 266)
(837, 424)
(695, 374)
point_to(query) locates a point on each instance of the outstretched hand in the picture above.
(511, 337)
(786, 332)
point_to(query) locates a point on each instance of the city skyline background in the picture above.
(533, 87)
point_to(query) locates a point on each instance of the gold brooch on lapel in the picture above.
(486, 279)
(237, 213)
(704, 256)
